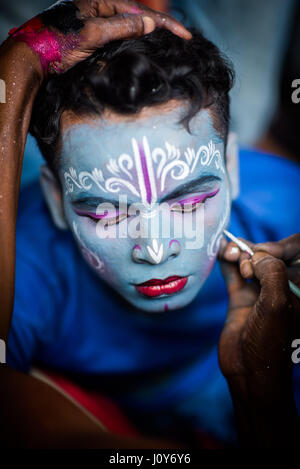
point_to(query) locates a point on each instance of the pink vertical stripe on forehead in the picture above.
(145, 173)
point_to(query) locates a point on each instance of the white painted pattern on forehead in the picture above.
(151, 169)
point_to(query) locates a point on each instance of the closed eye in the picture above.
(191, 204)
(109, 218)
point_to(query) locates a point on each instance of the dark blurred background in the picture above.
(261, 37)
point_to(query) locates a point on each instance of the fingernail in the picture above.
(149, 24)
(233, 251)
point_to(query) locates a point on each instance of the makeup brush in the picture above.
(245, 248)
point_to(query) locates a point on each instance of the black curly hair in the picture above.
(127, 75)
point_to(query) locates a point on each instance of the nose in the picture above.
(155, 251)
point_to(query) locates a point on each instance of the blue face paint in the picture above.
(171, 175)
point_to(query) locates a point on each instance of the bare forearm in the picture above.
(20, 69)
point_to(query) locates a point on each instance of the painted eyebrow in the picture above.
(93, 202)
(190, 187)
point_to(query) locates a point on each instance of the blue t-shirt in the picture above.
(162, 369)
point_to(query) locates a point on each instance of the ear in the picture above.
(53, 197)
(232, 164)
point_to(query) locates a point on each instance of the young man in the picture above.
(140, 174)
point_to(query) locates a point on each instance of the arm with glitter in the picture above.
(21, 71)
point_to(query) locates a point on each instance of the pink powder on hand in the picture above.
(47, 44)
(135, 11)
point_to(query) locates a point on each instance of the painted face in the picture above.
(147, 202)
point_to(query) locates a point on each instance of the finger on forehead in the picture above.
(102, 8)
(118, 27)
(161, 20)
(90, 9)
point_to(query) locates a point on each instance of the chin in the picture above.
(164, 304)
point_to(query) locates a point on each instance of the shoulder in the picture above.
(57, 295)
(267, 207)
(35, 228)
(257, 166)
(45, 266)
(40, 245)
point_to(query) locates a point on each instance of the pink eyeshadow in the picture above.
(94, 215)
(197, 199)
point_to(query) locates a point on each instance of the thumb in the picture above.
(124, 26)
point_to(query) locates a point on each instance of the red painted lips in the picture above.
(156, 287)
